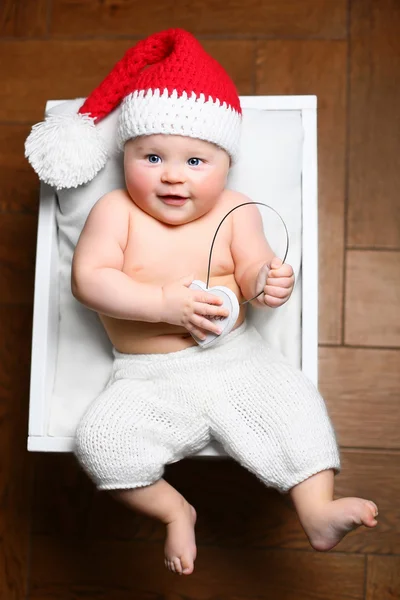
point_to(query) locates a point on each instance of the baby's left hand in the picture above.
(278, 282)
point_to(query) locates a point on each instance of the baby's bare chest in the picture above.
(158, 253)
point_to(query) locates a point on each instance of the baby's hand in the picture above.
(278, 282)
(190, 308)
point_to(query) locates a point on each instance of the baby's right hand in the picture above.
(190, 308)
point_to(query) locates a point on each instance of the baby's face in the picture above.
(174, 179)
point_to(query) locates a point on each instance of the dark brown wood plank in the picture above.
(23, 18)
(362, 390)
(373, 474)
(19, 190)
(309, 18)
(383, 578)
(374, 175)
(224, 573)
(84, 64)
(66, 505)
(17, 258)
(372, 316)
(15, 480)
(299, 67)
(94, 592)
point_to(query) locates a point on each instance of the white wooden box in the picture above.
(46, 318)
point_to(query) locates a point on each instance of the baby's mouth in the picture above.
(174, 199)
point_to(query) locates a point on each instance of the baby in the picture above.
(138, 253)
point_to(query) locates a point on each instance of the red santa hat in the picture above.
(166, 83)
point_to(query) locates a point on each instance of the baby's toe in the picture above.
(370, 514)
(177, 565)
(170, 565)
(374, 507)
(187, 567)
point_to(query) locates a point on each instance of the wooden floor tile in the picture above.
(84, 64)
(64, 499)
(223, 573)
(66, 505)
(372, 316)
(375, 475)
(309, 18)
(17, 258)
(299, 67)
(23, 18)
(94, 592)
(362, 390)
(19, 189)
(15, 481)
(71, 506)
(374, 161)
(383, 578)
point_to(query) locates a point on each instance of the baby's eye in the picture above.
(194, 162)
(153, 159)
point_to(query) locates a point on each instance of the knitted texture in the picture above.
(158, 408)
(152, 112)
(166, 83)
(171, 60)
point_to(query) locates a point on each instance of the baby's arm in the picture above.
(257, 269)
(99, 282)
(250, 249)
(97, 277)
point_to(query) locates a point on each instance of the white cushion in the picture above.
(269, 170)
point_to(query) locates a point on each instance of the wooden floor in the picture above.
(61, 540)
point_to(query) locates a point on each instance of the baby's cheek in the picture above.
(210, 187)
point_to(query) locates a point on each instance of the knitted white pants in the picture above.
(159, 408)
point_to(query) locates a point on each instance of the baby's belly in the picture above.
(138, 337)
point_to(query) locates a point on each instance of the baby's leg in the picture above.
(125, 439)
(325, 520)
(163, 502)
(272, 420)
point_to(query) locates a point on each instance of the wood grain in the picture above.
(309, 18)
(299, 67)
(23, 18)
(17, 258)
(375, 475)
(19, 190)
(372, 316)
(15, 482)
(362, 390)
(84, 64)
(383, 578)
(374, 160)
(223, 573)
(234, 508)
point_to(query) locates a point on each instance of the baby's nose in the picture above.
(173, 174)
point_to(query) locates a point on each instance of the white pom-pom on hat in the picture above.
(66, 150)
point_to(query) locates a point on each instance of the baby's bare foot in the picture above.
(180, 545)
(327, 526)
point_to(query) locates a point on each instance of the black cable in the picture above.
(218, 228)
